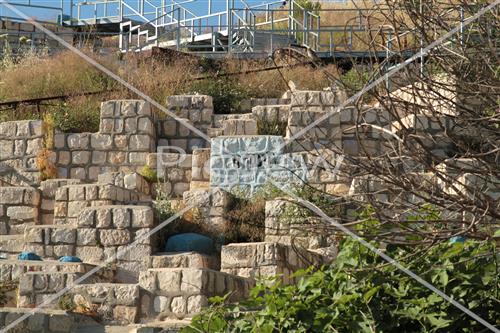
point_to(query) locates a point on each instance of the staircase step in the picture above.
(72, 199)
(182, 292)
(184, 260)
(11, 246)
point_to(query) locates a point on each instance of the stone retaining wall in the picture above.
(182, 292)
(72, 199)
(20, 143)
(197, 110)
(282, 227)
(174, 172)
(46, 321)
(19, 207)
(126, 135)
(259, 260)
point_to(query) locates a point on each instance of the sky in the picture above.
(198, 6)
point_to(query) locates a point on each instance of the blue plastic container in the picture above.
(189, 242)
(28, 256)
(69, 259)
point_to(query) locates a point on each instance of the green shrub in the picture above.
(77, 117)
(227, 93)
(66, 303)
(163, 206)
(149, 174)
(359, 292)
(271, 127)
(246, 215)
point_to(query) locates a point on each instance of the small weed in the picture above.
(149, 174)
(271, 127)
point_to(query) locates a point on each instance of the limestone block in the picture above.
(91, 254)
(196, 303)
(121, 141)
(117, 157)
(126, 294)
(160, 304)
(144, 108)
(78, 173)
(147, 280)
(134, 252)
(125, 314)
(140, 142)
(60, 235)
(145, 125)
(8, 129)
(197, 198)
(80, 157)
(33, 235)
(63, 250)
(78, 141)
(23, 128)
(86, 237)
(33, 146)
(137, 158)
(22, 213)
(121, 218)
(108, 108)
(19, 148)
(6, 149)
(178, 305)
(11, 195)
(193, 280)
(98, 157)
(86, 217)
(142, 217)
(169, 280)
(114, 237)
(101, 141)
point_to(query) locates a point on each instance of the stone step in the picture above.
(70, 200)
(50, 241)
(12, 269)
(272, 112)
(184, 260)
(18, 208)
(45, 320)
(36, 288)
(116, 303)
(266, 259)
(180, 293)
(11, 246)
(97, 235)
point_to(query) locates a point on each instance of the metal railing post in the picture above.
(178, 29)
(229, 29)
(305, 27)
(121, 10)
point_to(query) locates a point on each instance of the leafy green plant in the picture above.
(149, 174)
(163, 205)
(66, 303)
(227, 93)
(246, 215)
(76, 117)
(360, 292)
(273, 126)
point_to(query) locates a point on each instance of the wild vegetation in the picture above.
(360, 292)
(66, 74)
